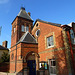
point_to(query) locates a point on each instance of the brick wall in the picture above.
(17, 50)
(57, 51)
(22, 50)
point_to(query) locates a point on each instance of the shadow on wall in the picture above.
(24, 71)
(4, 67)
(61, 63)
(60, 55)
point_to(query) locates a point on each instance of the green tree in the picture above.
(5, 57)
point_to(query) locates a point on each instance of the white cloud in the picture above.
(4, 1)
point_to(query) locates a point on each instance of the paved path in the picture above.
(3, 73)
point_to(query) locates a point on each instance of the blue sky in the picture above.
(56, 11)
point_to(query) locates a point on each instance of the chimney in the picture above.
(29, 13)
(4, 44)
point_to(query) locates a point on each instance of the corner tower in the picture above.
(21, 24)
(23, 44)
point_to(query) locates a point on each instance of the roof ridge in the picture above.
(24, 35)
(22, 39)
(4, 47)
(55, 24)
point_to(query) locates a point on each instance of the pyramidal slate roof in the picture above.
(27, 38)
(24, 14)
(3, 48)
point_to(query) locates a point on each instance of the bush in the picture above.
(5, 57)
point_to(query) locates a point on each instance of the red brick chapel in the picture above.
(44, 48)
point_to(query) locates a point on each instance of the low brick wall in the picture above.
(42, 72)
(4, 67)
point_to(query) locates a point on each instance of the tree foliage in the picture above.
(5, 57)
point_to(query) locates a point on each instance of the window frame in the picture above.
(51, 41)
(52, 69)
(22, 28)
(26, 28)
(37, 32)
(72, 35)
(14, 29)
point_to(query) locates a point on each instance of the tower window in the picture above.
(26, 28)
(14, 30)
(22, 28)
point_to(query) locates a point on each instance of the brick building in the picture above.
(4, 64)
(45, 48)
(3, 49)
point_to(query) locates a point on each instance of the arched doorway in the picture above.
(31, 62)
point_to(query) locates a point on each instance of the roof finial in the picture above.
(22, 8)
